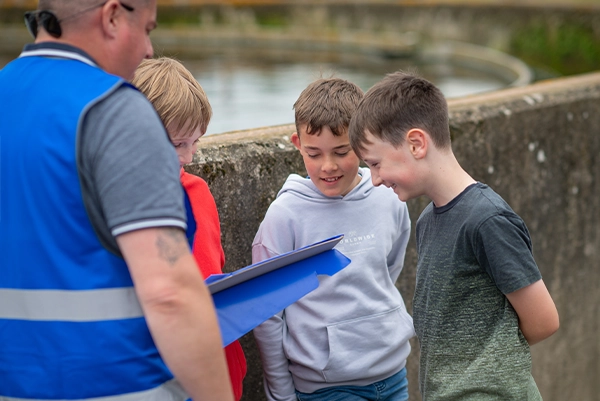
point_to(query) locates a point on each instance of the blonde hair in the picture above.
(176, 95)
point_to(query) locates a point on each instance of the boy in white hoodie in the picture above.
(348, 339)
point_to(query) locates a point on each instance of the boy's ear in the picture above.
(417, 142)
(296, 140)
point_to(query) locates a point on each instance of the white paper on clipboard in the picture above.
(276, 262)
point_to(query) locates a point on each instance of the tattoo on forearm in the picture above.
(171, 244)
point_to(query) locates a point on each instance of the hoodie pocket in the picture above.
(368, 347)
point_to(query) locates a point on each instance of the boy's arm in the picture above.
(538, 317)
(178, 309)
(504, 249)
(278, 382)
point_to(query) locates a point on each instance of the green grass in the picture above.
(568, 48)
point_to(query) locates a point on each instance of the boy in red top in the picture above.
(185, 111)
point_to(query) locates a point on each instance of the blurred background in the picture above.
(253, 58)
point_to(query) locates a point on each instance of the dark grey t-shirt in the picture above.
(470, 253)
(129, 170)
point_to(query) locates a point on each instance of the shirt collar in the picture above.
(58, 50)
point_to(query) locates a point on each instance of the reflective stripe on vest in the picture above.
(169, 391)
(70, 306)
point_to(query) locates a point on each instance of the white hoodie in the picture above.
(354, 328)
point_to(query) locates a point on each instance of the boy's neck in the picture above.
(448, 180)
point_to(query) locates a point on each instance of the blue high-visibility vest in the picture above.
(71, 326)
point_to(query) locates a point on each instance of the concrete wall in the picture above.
(538, 146)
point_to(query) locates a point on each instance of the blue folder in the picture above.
(249, 296)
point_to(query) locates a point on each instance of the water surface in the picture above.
(250, 94)
(247, 93)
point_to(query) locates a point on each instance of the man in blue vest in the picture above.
(100, 297)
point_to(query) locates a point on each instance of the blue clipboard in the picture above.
(249, 296)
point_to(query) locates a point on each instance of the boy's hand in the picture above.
(538, 317)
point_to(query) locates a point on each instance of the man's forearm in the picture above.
(186, 333)
(178, 309)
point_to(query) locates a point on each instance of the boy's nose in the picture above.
(186, 158)
(376, 179)
(149, 48)
(329, 165)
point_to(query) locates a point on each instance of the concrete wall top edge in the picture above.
(471, 108)
(539, 94)
(249, 135)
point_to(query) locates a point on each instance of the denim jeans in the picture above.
(394, 388)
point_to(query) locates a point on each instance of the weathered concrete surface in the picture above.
(538, 146)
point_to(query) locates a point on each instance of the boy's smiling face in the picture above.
(392, 167)
(330, 162)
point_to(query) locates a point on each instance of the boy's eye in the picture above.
(342, 153)
(178, 144)
(312, 156)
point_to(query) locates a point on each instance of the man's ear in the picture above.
(417, 141)
(296, 140)
(110, 11)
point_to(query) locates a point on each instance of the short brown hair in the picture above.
(175, 93)
(327, 102)
(397, 104)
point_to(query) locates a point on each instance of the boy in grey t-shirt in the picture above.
(479, 300)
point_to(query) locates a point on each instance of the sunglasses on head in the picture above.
(51, 24)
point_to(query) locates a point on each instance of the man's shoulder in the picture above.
(126, 94)
(125, 110)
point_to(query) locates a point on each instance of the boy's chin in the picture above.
(329, 192)
(404, 197)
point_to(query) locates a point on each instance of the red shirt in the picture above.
(210, 257)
